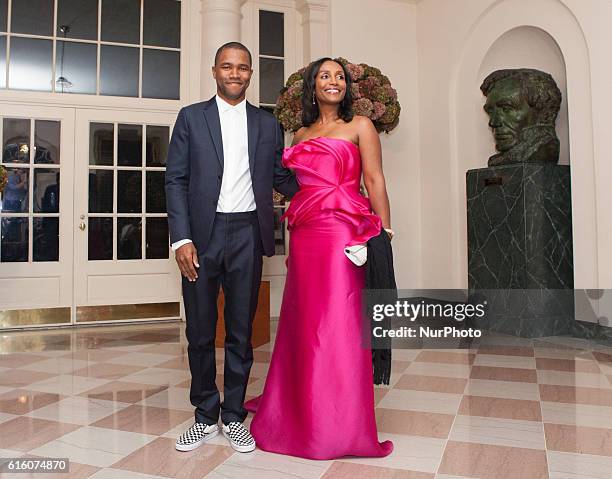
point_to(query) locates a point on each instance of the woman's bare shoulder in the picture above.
(360, 128)
(298, 136)
(364, 128)
(362, 122)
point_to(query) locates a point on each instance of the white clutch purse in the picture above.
(358, 253)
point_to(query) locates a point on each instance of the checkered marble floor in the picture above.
(113, 400)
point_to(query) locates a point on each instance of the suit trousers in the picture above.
(233, 260)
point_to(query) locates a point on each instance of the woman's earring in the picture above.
(314, 102)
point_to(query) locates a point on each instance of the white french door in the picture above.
(123, 266)
(83, 224)
(36, 245)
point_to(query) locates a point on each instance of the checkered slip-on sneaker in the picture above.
(239, 437)
(195, 436)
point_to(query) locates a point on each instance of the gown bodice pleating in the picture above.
(329, 173)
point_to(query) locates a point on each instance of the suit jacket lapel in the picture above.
(211, 115)
(253, 133)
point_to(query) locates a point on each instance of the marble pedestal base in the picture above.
(520, 245)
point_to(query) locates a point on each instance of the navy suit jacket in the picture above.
(195, 167)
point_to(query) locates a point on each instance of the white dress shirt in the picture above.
(236, 195)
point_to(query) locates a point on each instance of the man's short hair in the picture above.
(537, 87)
(237, 46)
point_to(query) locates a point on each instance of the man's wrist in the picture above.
(177, 244)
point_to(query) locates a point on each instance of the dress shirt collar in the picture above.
(224, 106)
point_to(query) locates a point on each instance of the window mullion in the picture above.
(98, 47)
(54, 47)
(115, 183)
(140, 57)
(31, 193)
(143, 193)
(8, 41)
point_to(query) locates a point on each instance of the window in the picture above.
(29, 205)
(271, 57)
(127, 202)
(95, 47)
(271, 80)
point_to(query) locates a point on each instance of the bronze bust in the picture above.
(522, 105)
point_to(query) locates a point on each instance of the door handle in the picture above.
(82, 226)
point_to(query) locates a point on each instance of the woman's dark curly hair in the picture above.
(310, 111)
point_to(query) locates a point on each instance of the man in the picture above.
(522, 105)
(223, 161)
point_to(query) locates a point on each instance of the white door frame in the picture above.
(111, 283)
(28, 285)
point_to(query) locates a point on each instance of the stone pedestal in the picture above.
(520, 247)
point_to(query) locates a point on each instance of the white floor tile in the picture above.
(95, 446)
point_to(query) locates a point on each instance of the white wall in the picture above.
(594, 17)
(436, 53)
(454, 39)
(382, 33)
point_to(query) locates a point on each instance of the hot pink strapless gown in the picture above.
(318, 400)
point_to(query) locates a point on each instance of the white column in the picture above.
(316, 28)
(220, 24)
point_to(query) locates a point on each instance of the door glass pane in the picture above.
(3, 61)
(162, 23)
(77, 19)
(156, 193)
(129, 238)
(15, 195)
(16, 134)
(101, 144)
(100, 239)
(14, 242)
(157, 145)
(160, 74)
(100, 191)
(32, 16)
(157, 238)
(271, 33)
(119, 71)
(129, 147)
(47, 142)
(30, 64)
(271, 74)
(46, 190)
(129, 192)
(75, 68)
(3, 15)
(45, 239)
(121, 21)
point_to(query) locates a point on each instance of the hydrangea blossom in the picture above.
(373, 96)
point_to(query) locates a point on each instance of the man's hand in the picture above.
(187, 260)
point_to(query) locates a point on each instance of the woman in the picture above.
(318, 400)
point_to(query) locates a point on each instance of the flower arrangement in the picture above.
(373, 96)
(3, 178)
